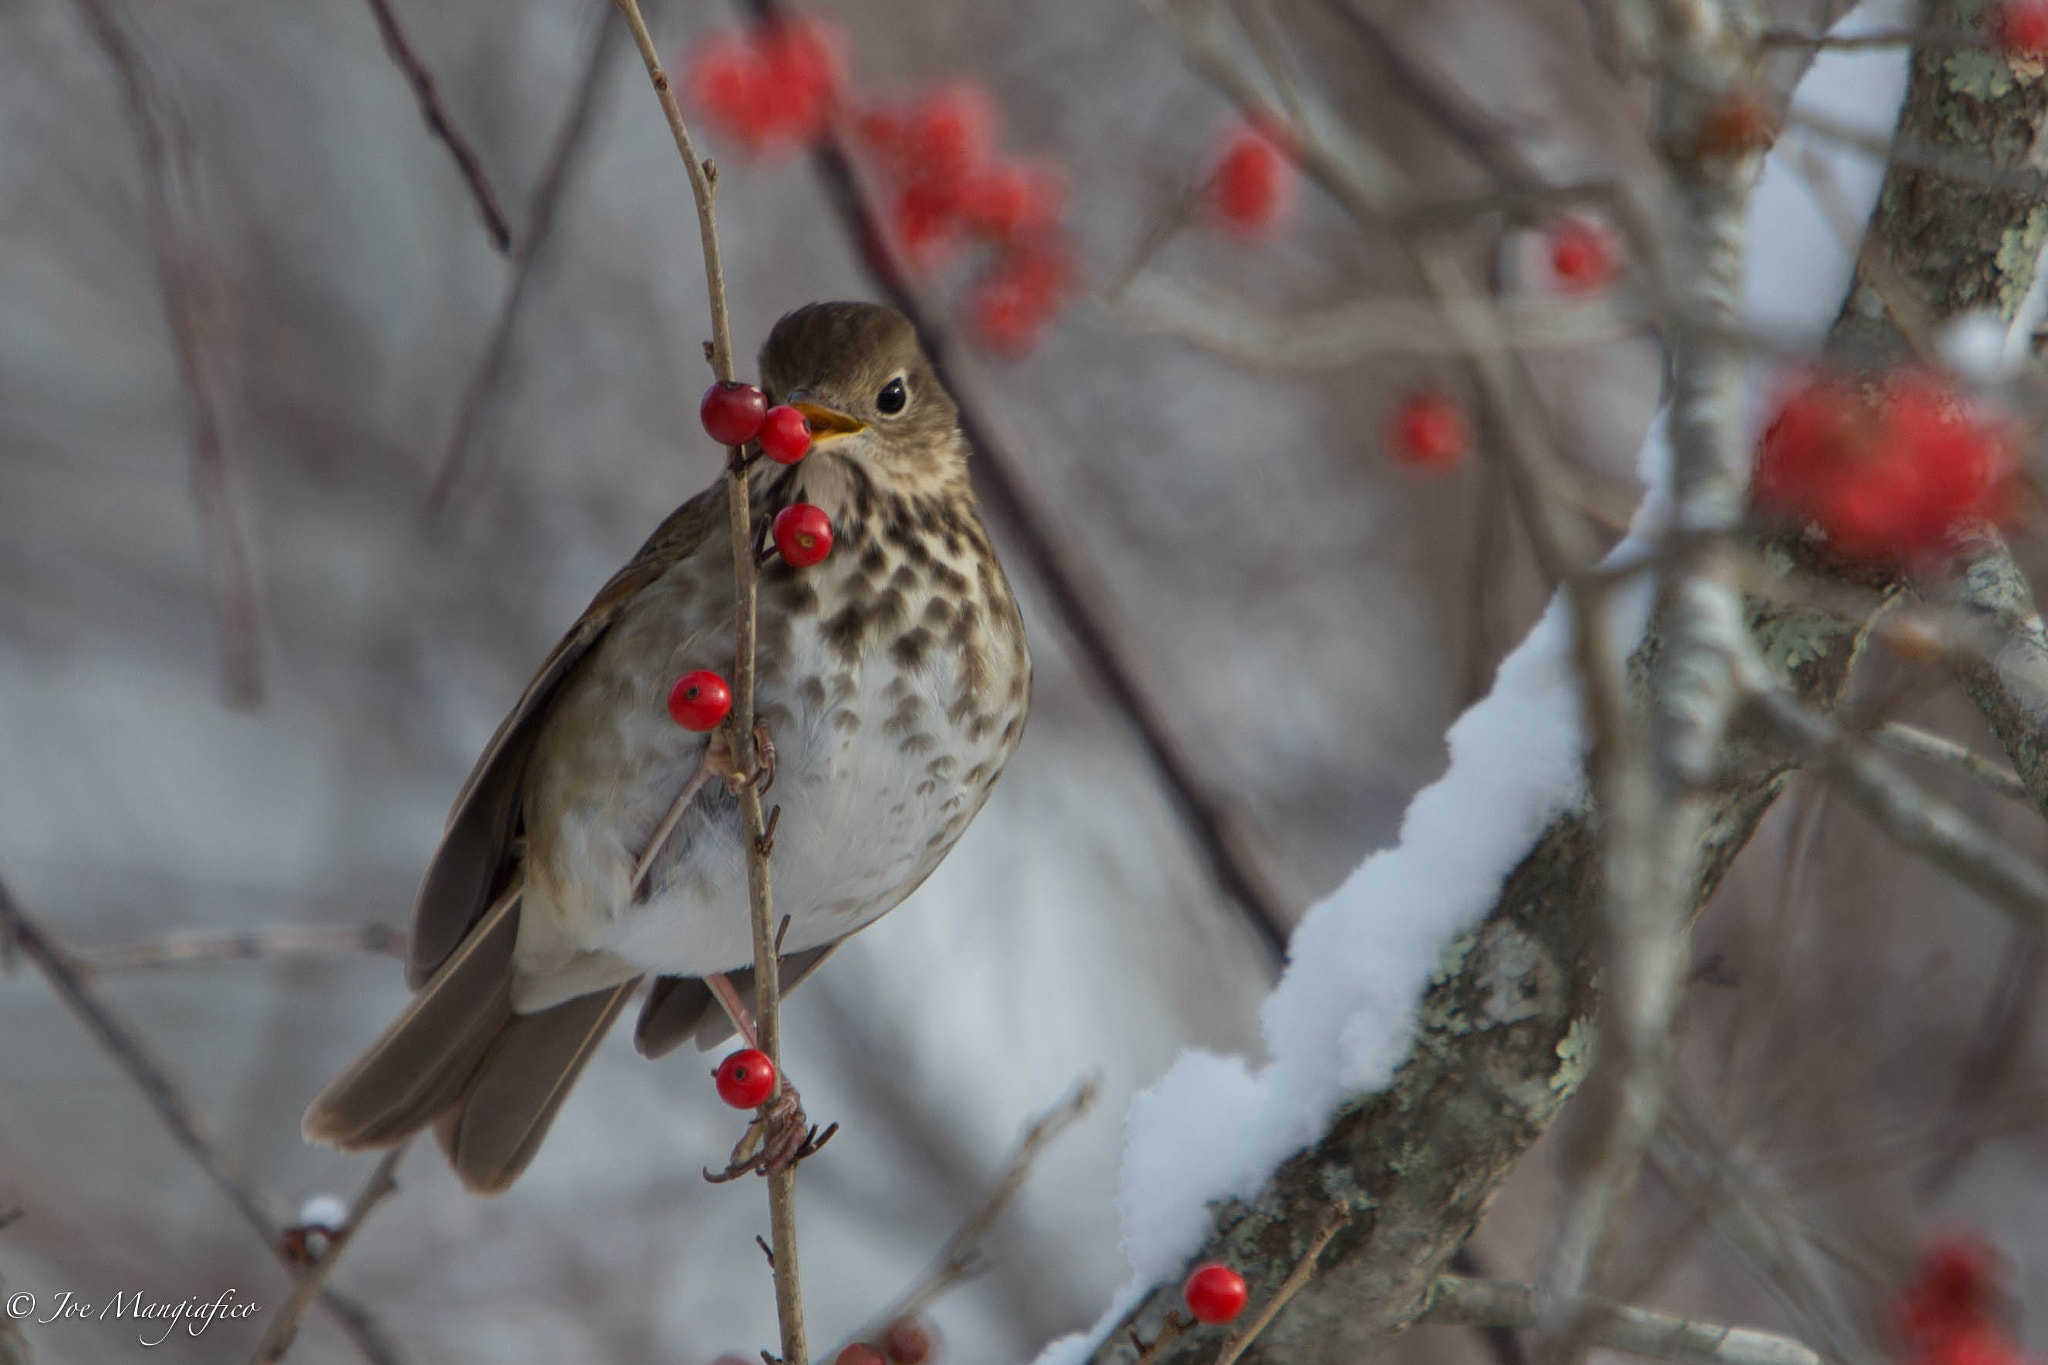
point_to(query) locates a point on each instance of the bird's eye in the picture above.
(892, 399)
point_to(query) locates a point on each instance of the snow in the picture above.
(1342, 1017)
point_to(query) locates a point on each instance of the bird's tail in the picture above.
(489, 1080)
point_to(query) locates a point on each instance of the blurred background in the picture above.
(256, 621)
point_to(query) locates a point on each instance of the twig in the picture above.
(289, 941)
(1996, 777)
(1072, 584)
(1915, 821)
(960, 1259)
(1638, 1331)
(739, 723)
(1928, 38)
(1753, 1213)
(2008, 680)
(192, 306)
(124, 1044)
(284, 1328)
(1337, 337)
(422, 82)
(1233, 1347)
(570, 139)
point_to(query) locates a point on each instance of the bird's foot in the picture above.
(718, 758)
(779, 1137)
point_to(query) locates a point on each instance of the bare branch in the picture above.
(124, 1043)
(284, 1328)
(739, 725)
(466, 160)
(1638, 1331)
(193, 307)
(1915, 821)
(454, 466)
(960, 1259)
(254, 945)
(1347, 334)
(1907, 739)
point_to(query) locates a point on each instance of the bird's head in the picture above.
(866, 389)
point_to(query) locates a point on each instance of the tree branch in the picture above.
(284, 1328)
(1454, 1300)
(123, 1042)
(441, 126)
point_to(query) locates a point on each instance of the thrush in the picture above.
(587, 852)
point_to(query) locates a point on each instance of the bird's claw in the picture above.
(778, 1138)
(719, 759)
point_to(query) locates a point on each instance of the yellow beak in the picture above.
(827, 424)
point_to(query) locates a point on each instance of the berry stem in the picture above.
(740, 724)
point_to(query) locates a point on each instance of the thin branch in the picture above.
(1332, 1223)
(1932, 40)
(193, 307)
(1986, 773)
(1333, 338)
(453, 467)
(1637, 1331)
(254, 945)
(739, 724)
(441, 126)
(1915, 821)
(124, 1044)
(284, 1328)
(2008, 680)
(961, 1259)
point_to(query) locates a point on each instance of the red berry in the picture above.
(907, 1341)
(803, 535)
(1012, 198)
(1254, 184)
(1428, 432)
(1890, 470)
(1215, 1293)
(1583, 255)
(732, 412)
(947, 134)
(699, 700)
(746, 1079)
(785, 436)
(858, 1353)
(2021, 27)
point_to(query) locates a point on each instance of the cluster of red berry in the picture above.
(779, 88)
(737, 415)
(949, 187)
(1890, 470)
(1948, 1313)
(773, 89)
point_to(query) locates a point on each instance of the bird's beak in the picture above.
(827, 424)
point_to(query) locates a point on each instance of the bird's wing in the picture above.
(476, 845)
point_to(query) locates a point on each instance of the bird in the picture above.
(587, 853)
